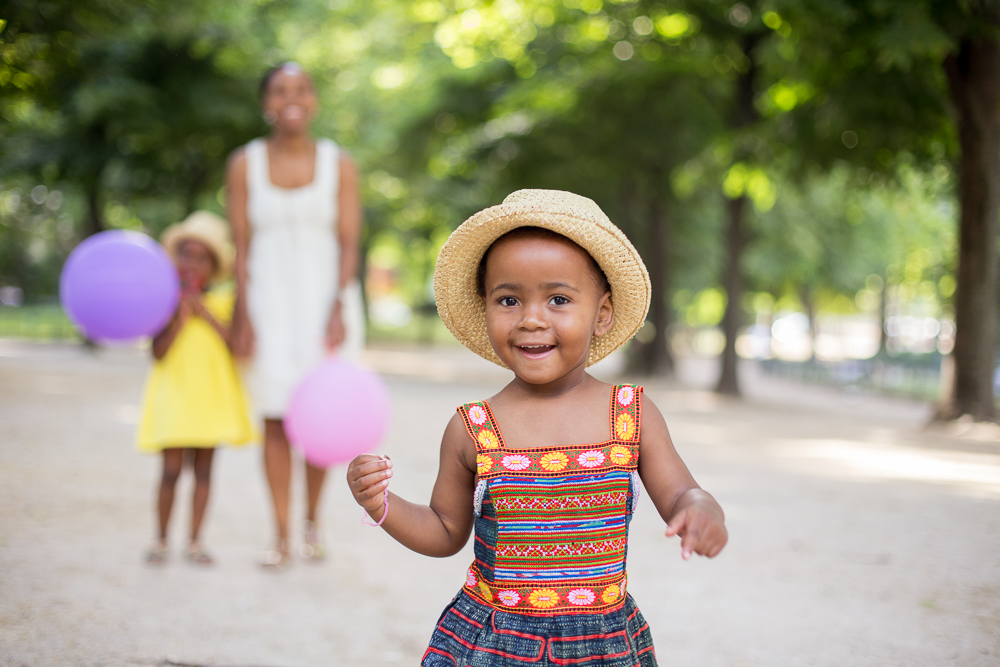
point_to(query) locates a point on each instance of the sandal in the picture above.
(278, 558)
(196, 555)
(312, 549)
(157, 554)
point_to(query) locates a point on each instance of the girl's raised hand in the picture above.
(368, 476)
(701, 530)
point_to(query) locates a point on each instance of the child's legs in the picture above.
(278, 465)
(173, 460)
(314, 485)
(202, 481)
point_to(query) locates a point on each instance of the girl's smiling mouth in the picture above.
(535, 351)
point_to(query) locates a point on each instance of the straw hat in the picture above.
(577, 218)
(206, 228)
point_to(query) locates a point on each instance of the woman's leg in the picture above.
(278, 464)
(314, 486)
(173, 460)
(202, 482)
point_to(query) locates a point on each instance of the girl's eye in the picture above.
(558, 301)
(507, 301)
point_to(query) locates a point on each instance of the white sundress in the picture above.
(292, 276)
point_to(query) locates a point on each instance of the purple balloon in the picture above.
(119, 285)
(339, 410)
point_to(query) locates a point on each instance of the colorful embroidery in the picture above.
(620, 455)
(477, 415)
(553, 536)
(488, 439)
(553, 461)
(591, 459)
(543, 598)
(624, 426)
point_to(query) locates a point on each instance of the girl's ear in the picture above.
(605, 315)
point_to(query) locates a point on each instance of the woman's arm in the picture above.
(688, 510)
(241, 338)
(349, 239)
(440, 529)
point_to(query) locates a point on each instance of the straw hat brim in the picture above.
(209, 230)
(577, 218)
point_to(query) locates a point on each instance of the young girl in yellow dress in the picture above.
(548, 471)
(194, 399)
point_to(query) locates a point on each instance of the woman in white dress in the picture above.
(295, 208)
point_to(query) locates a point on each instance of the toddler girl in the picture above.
(545, 285)
(194, 399)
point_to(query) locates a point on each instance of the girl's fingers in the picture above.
(677, 524)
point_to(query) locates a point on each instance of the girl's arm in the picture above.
(349, 239)
(241, 338)
(688, 510)
(163, 340)
(440, 529)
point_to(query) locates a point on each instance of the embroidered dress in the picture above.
(548, 584)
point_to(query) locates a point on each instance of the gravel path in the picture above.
(858, 537)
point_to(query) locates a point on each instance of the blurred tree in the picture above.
(915, 79)
(126, 104)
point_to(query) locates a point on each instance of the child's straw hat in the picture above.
(578, 219)
(206, 228)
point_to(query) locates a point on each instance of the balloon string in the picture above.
(385, 512)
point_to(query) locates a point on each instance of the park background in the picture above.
(813, 185)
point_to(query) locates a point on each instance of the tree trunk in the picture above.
(94, 222)
(733, 284)
(974, 81)
(744, 113)
(807, 303)
(658, 358)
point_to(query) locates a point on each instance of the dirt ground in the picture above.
(857, 536)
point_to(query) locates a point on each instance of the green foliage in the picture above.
(125, 112)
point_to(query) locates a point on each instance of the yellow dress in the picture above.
(194, 396)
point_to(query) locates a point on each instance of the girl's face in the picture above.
(543, 306)
(290, 101)
(195, 264)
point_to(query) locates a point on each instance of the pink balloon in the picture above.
(339, 410)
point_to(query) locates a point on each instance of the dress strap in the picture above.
(328, 166)
(481, 425)
(626, 412)
(258, 176)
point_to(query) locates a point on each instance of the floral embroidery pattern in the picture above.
(620, 455)
(625, 395)
(591, 458)
(611, 593)
(624, 426)
(478, 415)
(553, 461)
(483, 464)
(543, 598)
(470, 579)
(509, 598)
(580, 596)
(515, 462)
(488, 439)
(485, 590)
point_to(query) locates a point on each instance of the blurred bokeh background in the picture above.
(790, 170)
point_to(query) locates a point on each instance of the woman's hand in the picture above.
(701, 529)
(368, 476)
(241, 336)
(335, 332)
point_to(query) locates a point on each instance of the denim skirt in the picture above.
(473, 634)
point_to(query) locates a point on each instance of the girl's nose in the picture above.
(532, 318)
